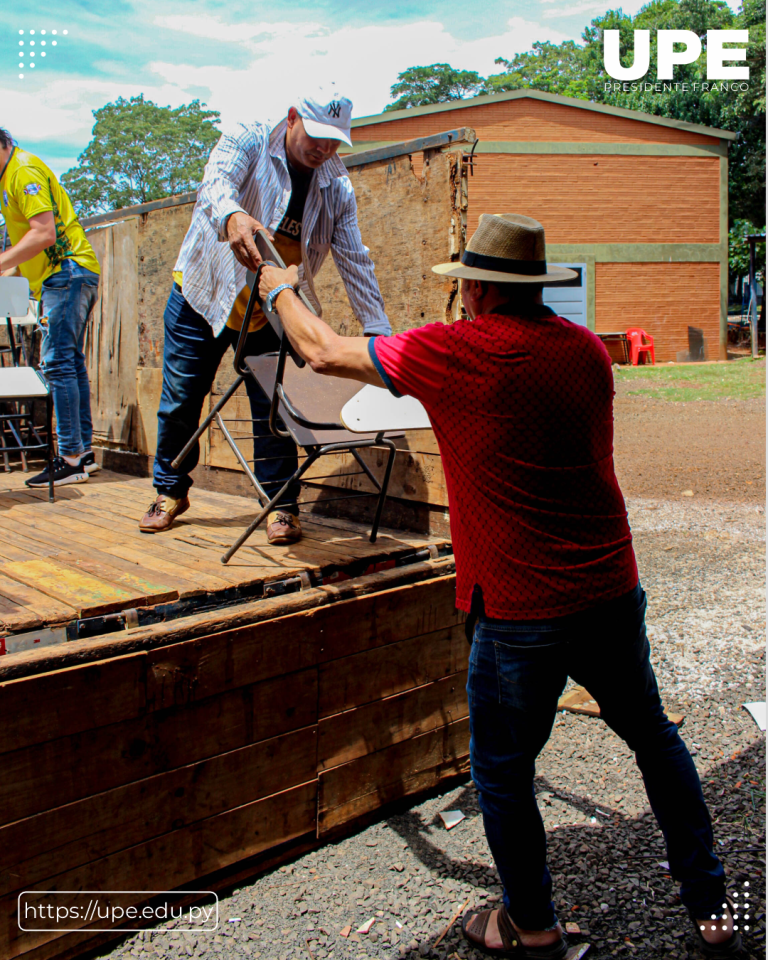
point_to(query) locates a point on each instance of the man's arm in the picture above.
(228, 167)
(325, 351)
(41, 234)
(356, 268)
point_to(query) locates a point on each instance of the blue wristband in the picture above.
(272, 295)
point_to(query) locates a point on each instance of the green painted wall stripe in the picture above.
(563, 147)
(636, 252)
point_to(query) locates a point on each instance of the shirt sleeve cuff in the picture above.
(380, 368)
(377, 327)
(222, 227)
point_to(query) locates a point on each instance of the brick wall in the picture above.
(529, 119)
(602, 199)
(664, 299)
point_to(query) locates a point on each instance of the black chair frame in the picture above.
(279, 397)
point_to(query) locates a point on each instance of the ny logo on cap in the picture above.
(334, 109)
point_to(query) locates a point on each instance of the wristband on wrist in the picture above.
(273, 294)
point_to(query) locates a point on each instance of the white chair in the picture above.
(22, 385)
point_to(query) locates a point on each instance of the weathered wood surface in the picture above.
(354, 789)
(153, 769)
(112, 342)
(84, 555)
(409, 223)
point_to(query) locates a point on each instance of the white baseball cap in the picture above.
(326, 116)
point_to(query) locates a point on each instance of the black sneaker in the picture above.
(88, 462)
(63, 472)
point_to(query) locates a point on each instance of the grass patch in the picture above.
(736, 380)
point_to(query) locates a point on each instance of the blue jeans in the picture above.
(68, 298)
(191, 357)
(517, 672)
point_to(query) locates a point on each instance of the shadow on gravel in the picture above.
(609, 874)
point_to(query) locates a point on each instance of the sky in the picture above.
(248, 60)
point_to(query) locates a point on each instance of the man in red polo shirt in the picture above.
(521, 402)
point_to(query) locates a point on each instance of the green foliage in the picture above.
(738, 249)
(437, 83)
(554, 68)
(141, 152)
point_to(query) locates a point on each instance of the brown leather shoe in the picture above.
(158, 518)
(283, 527)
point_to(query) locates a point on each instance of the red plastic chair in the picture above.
(639, 342)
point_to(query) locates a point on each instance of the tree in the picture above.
(437, 83)
(738, 249)
(554, 68)
(141, 152)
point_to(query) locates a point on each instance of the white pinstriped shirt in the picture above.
(247, 172)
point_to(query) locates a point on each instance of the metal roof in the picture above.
(550, 98)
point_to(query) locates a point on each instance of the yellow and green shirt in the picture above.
(28, 188)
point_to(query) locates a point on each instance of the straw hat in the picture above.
(506, 248)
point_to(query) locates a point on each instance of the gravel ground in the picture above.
(702, 565)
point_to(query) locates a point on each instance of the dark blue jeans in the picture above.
(68, 298)
(517, 672)
(191, 358)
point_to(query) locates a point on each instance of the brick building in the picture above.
(639, 202)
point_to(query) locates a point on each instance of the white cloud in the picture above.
(363, 62)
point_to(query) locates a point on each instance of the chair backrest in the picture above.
(635, 333)
(14, 297)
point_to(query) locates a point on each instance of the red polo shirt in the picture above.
(522, 408)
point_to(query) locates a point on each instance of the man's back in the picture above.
(522, 410)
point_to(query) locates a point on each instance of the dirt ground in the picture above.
(714, 448)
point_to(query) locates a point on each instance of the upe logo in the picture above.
(667, 55)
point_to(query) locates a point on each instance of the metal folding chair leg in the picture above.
(206, 423)
(261, 493)
(384, 486)
(271, 505)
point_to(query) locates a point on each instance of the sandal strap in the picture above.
(479, 925)
(509, 936)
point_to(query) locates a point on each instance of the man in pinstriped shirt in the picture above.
(289, 181)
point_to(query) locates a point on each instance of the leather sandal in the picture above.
(728, 950)
(474, 932)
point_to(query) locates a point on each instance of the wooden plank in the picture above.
(33, 608)
(112, 339)
(70, 768)
(226, 619)
(36, 543)
(375, 674)
(375, 726)
(169, 861)
(69, 701)
(90, 596)
(357, 788)
(580, 700)
(149, 385)
(415, 476)
(37, 533)
(70, 836)
(419, 144)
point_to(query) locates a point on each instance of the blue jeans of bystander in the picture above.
(68, 298)
(517, 672)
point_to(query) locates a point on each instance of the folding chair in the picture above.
(296, 393)
(22, 385)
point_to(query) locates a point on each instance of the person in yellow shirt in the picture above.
(50, 249)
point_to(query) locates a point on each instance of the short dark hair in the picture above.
(519, 291)
(6, 140)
